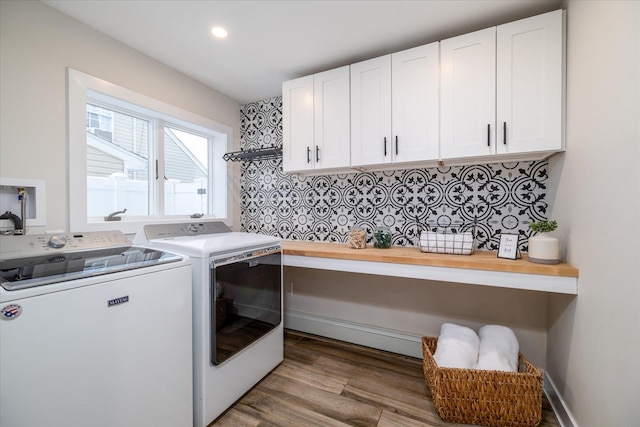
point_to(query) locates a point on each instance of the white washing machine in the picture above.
(237, 308)
(93, 332)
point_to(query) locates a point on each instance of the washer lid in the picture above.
(22, 273)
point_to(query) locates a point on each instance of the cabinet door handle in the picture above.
(317, 153)
(385, 146)
(396, 145)
(308, 154)
(504, 133)
(489, 135)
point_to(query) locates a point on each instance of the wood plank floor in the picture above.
(323, 382)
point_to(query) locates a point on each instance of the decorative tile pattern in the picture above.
(491, 199)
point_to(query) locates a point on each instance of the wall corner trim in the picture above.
(564, 416)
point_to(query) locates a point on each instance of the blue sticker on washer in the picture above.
(10, 312)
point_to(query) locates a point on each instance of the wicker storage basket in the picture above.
(481, 397)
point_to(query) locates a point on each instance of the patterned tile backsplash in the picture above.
(490, 199)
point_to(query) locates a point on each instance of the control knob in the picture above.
(57, 242)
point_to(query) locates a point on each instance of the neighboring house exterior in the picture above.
(118, 143)
(180, 163)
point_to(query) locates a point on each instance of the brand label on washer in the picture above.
(117, 301)
(10, 312)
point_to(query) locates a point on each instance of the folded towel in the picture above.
(457, 347)
(498, 349)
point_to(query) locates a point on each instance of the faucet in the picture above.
(113, 216)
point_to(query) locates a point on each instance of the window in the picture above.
(118, 164)
(185, 172)
(158, 162)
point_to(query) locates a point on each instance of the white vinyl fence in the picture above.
(115, 193)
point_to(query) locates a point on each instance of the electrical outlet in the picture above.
(288, 286)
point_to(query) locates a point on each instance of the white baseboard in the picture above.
(356, 333)
(559, 406)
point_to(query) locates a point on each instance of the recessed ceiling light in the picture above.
(219, 32)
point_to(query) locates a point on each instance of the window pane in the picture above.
(117, 162)
(186, 171)
(99, 121)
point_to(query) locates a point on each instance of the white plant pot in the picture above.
(544, 249)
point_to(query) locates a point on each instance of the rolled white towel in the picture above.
(498, 349)
(458, 347)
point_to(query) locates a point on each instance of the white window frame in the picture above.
(82, 87)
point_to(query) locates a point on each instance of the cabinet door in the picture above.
(530, 84)
(468, 95)
(331, 118)
(415, 103)
(371, 112)
(297, 124)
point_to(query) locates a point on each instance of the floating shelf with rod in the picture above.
(254, 154)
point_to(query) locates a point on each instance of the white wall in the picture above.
(37, 44)
(594, 339)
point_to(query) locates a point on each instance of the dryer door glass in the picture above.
(246, 304)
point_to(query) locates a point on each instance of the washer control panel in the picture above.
(57, 241)
(30, 245)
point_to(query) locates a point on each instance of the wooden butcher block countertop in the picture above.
(479, 260)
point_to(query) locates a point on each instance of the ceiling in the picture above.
(273, 41)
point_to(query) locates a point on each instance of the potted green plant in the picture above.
(544, 226)
(543, 248)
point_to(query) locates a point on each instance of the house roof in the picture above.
(132, 161)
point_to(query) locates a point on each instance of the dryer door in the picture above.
(246, 300)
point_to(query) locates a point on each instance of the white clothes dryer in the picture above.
(237, 308)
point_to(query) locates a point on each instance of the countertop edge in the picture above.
(479, 260)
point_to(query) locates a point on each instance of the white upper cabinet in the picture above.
(394, 108)
(331, 119)
(468, 97)
(530, 70)
(492, 95)
(415, 104)
(297, 124)
(502, 91)
(316, 122)
(371, 112)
